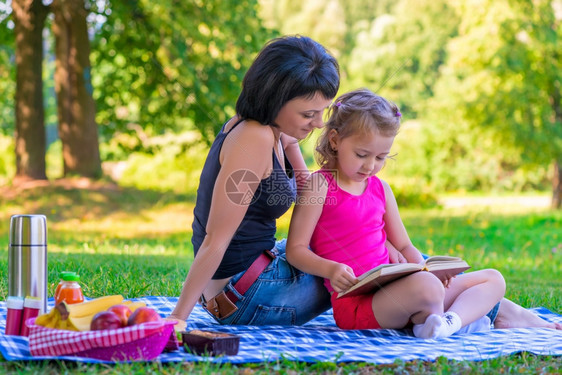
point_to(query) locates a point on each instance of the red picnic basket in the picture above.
(145, 341)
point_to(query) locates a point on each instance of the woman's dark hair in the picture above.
(286, 68)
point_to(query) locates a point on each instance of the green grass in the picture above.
(136, 243)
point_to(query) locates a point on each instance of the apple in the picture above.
(143, 315)
(105, 320)
(122, 311)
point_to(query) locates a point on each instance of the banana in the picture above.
(93, 306)
(82, 323)
(81, 314)
(58, 318)
(45, 319)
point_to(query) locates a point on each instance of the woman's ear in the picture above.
(333, 137)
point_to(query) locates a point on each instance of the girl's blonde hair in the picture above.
(357, 112)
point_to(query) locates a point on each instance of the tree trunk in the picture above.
(29, 20)
(556, 102)
(557, 186)
(75, 105)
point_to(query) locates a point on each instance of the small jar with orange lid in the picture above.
(70, 290)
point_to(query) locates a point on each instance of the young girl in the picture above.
(346, 214)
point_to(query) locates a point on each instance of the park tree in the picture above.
(76, 114)
(29, 20)
(7, 90)
(408, 46)
(358, 15)
(320, 20)
(7, 74)
(504, 76)
(77, 126)
(407, 42)
(156, 67)
(171, 66)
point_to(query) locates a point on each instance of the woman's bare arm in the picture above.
(243, 150)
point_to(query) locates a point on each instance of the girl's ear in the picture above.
(333, 137)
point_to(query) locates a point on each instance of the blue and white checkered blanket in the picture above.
(320, 341)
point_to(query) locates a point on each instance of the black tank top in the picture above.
(256, 233)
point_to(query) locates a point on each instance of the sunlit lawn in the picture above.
(136, 243)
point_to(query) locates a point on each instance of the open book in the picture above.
(444, 267)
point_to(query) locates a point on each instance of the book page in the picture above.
(442, 258)
(377, 268)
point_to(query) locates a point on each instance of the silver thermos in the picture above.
(27, 258)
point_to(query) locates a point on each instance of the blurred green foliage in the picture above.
(455, 158)
(7, 159)
(171, 65)
(175, 164)
(478, 83)
(7, 73)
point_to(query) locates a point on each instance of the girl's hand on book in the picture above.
(342, 277)
(447, 282)
(396, 256)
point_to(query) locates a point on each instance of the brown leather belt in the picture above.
(223, 304)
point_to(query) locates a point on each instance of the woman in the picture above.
(248, 181)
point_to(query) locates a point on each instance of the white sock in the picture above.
(436, 326)
(429, 328)
(451, 324)
(480, 325)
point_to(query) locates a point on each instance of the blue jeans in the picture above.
(282, 295)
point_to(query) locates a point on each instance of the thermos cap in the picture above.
(33, 303)
(14, 302)
(28, 230)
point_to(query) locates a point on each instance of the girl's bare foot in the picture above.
(511, 315)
